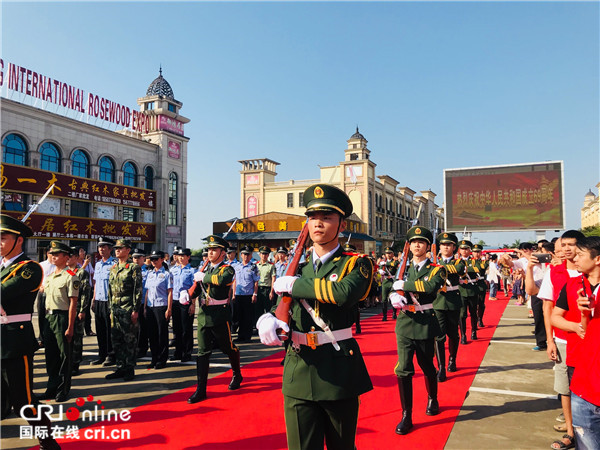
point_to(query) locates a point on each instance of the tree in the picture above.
(481, 242)
(591, 231)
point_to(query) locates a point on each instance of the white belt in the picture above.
(212, 302)
(15, 318)
(415, 308)
(314, 338)
(451, 288)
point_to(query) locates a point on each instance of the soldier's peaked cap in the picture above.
(388, 250)
(465, 244)
(215, 241)
(11, 225)
(325, 197)
(264, 249)
(419, 232)
(448, 238)
(477, 248)
(59, 247)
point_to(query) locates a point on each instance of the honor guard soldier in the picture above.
(482, 266)
(469, 291)
(100, 302)
(324, 371)
(21, 280)
(214, 316)
(83, 305)
(62, 292)
(125, 297)
(183, 309)
(448, 304)
(388, 274)
(417, 325)
(265, 294)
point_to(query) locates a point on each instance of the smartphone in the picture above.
(543, 257)
(590, 298)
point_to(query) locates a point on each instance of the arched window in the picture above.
(80, 164)
(149, 178)
(129, 174)
(107, 169)
(172, 219)
(14, 150)
(50, 157)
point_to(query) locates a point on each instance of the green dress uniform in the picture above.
(59, 288)
(125, 298)
(416, 330)
(390, 268)
(214, 321)
(482, 266)
(263, 298)
(83, 304)
(469, 292)
(21, 280)
(447, 306)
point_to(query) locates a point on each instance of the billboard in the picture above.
(505, 198)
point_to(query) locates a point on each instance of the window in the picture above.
(300, 199)
(80, 164)
(353, 156)
(80, 209)
(290, 200)
(130, 214)
(149, 178)
(14, 150)
(149, 106)
(172, 108)
(107, 169)
(13, 202)
(129, 174)
(172, 219)
(50, 157)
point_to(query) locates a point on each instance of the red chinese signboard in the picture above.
(47, 226)
(35, 181)
(169, 124)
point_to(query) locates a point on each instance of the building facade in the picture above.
(130, 183)
(590, 213)
(380, 202)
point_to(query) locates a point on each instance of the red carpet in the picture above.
(252, 417)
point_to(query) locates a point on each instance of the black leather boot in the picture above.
(452, 351)
(433, 408)
(406, 400)
(463, 330)
(237, 378)
(440, 354)
(202, 366)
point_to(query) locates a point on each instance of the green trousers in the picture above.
(124, 335)
(58, 353)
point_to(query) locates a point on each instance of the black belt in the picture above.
(57, 311)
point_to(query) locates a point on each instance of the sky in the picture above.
(431, 85)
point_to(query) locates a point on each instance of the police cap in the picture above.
(105, 241)
(246, 249)
(157, 254)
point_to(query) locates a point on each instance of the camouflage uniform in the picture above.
(85, 293)
(125, 297)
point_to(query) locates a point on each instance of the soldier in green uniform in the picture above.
(324, 372)
(265, 293)
(469, 291)
(21, 280)
(448, 304)
(83, 304)
(482, 266)
(417, 325)
(62, 292)
(388, 274)
(214, 316)
(125, 298)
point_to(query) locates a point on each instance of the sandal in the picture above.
(560, 427)
(560, 445)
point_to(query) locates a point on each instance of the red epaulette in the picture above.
(432, 264)
(350, 254)
(70, 272)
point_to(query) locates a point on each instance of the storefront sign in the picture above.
(46, 226)
(174, 150)
(35, 181)
(169, 124)
(252, 203)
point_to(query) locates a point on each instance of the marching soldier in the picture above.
(183, 310)
(21, 279)
(83, 305)
(324, 372)
(214, 316)
(62, 292)
(482, 266)
(125, 297)
(350, 250)
(448, 304)
(417, 326)
(469, 291)
(388, 274)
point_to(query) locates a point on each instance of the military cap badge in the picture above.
(418, 231)
(319, 192)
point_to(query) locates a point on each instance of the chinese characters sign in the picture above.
(168, 124)
(174, 150)
(64, 227)
(34, 181)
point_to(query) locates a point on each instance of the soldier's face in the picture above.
(7, 244)
(476, 254)
(122, 252)
(419, 247)
(464, 252)
(447, 250)
(324, 227)
(389, 256)
(214, 254)
(72, 260)
(264, 257)
(60, 259)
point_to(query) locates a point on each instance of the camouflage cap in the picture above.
(448, 238)
(325, 197)
(264, 249)
(215, 241)
(419, 232)
(122, 243)
(11, 225)
(59, 247)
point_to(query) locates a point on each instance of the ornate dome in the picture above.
(590, 194)
(161, 87)
(357, 135)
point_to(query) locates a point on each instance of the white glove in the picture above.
(398, 285)
(184, 297)
(382, 272)
(199, 276)
(267, 326)
(397, 300)
(284, 284)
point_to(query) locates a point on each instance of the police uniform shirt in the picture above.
(280, 268)
(101, 275)
(59, 287)
(158, 284)
(266, 272)
(245, 277)
(145, 272)
(183, 279)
